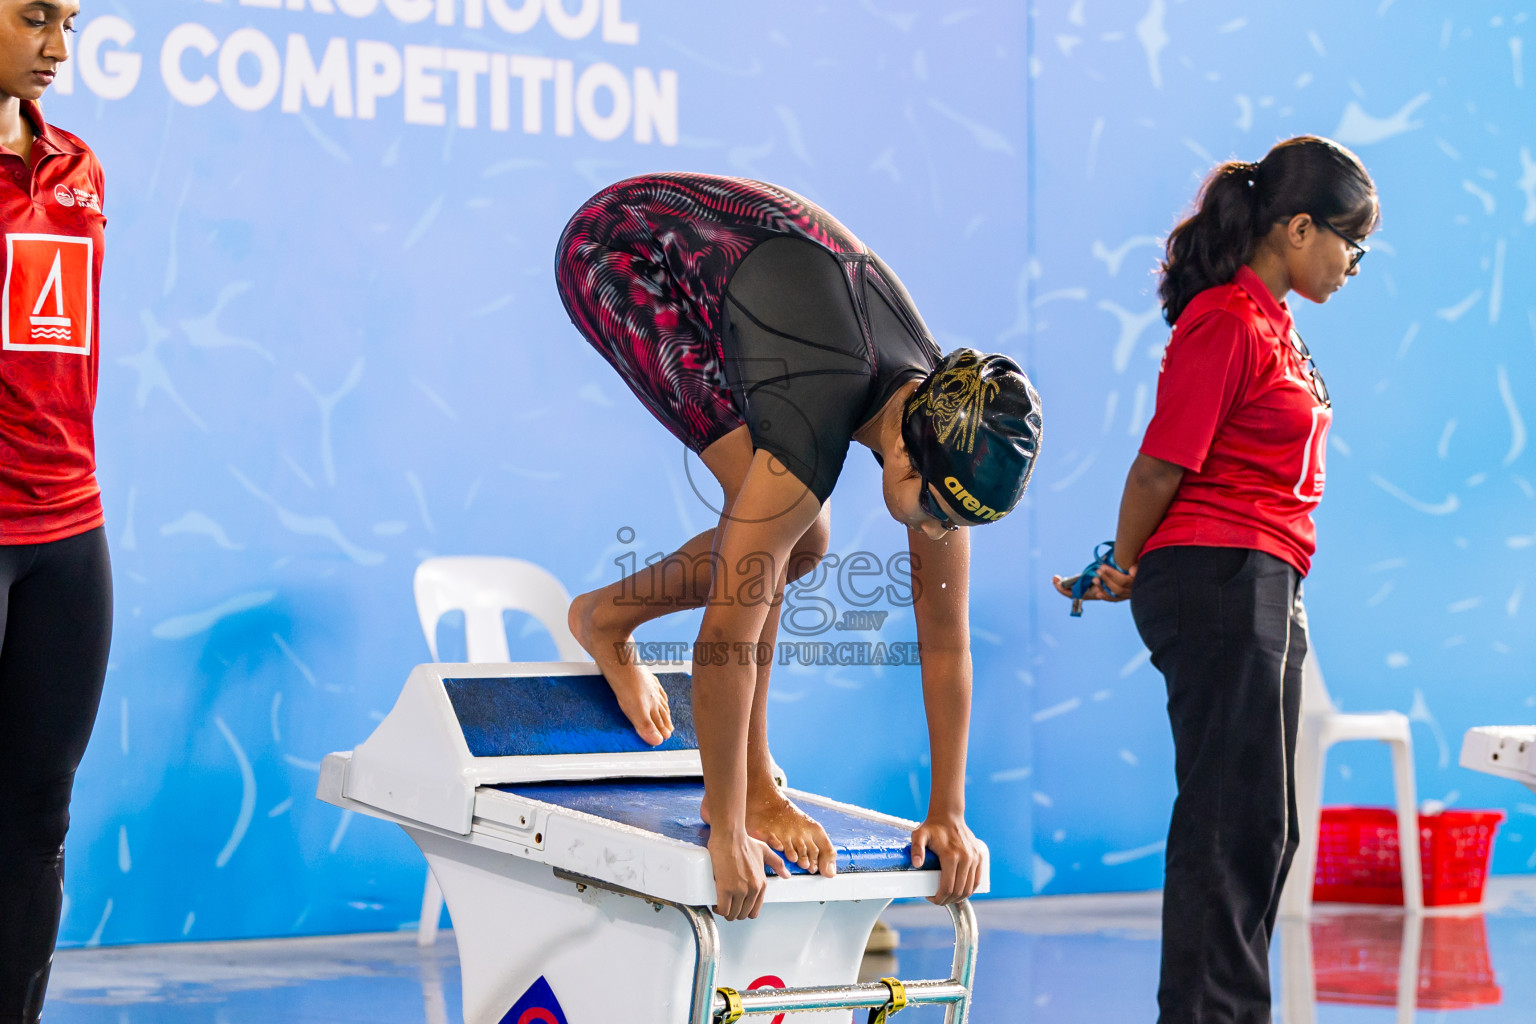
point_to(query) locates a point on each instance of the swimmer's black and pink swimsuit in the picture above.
(724, 301)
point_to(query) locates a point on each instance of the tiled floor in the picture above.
(1052, 961)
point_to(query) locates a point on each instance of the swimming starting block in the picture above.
(574, 863)
(1505, 750)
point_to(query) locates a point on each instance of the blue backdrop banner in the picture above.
(332, 347)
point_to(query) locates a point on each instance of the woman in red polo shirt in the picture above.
(55, 579)
(1214, 538)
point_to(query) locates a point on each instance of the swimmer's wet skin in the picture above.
(768, 339)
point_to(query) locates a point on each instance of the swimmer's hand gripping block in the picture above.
(456, 727)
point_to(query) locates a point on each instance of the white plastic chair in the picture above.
(1323, 725)
(483, 588)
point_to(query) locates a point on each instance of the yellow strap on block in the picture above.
(897, 1003)
(732, 1005)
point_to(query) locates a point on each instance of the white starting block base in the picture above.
(578, 880)
(613, 957)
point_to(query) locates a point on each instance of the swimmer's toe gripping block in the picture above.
(573, 861)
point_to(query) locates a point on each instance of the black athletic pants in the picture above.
(55, 628)
(1227, 631)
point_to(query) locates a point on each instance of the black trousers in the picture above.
(56, 625)
(1227, 631)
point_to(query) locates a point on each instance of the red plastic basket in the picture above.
(1356, 958)
(1357, 856)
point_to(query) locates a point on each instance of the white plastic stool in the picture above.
(1323, 725)
(483, 588)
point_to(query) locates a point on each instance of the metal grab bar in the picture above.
(842, 997)
(709, 1005)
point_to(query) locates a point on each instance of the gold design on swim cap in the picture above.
(955, 399)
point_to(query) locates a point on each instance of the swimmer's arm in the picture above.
(941, 588)
(941, 585)
(772, 512)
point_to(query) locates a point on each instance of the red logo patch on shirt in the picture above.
(48, 294)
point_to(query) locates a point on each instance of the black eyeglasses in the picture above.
(1357, 251)
(931, 507)
(1308, 367)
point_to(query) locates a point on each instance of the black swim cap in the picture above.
(973, 430)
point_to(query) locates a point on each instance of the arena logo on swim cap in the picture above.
(538, 1005)
(969, 502)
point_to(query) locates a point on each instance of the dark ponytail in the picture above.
(1239, 202)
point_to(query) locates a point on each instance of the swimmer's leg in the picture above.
(771, 816)
(604, 621)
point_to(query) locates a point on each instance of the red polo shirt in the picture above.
(49, 330)
(1237, 410)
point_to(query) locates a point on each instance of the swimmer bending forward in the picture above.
(767, 338)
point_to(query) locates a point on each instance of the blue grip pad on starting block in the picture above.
(517, 716)
(670, 807)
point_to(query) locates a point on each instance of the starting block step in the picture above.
(560, 715)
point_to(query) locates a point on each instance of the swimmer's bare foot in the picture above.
(641, 697)
(773, 819)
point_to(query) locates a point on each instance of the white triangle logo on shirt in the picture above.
(56, 327)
